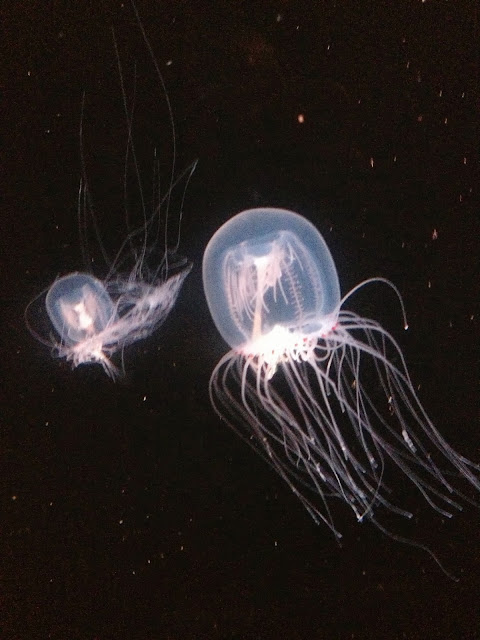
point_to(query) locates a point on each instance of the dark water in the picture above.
(129, 510)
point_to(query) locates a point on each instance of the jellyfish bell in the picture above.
(297, 383)
(96, 315)
(79, 307)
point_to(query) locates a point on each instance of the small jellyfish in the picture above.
(97, 317)
(322, 394)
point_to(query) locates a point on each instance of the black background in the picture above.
(128, 510)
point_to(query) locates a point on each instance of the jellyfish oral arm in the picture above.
(77, 316)
(85, 320)
(261, 265)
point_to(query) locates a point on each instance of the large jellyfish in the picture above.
(322, 394)
(97, 317)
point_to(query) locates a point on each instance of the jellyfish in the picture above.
(94, 316)
(94, 319)
(321, 393)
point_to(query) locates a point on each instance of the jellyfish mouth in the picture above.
(280, 344)
(91, 350)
